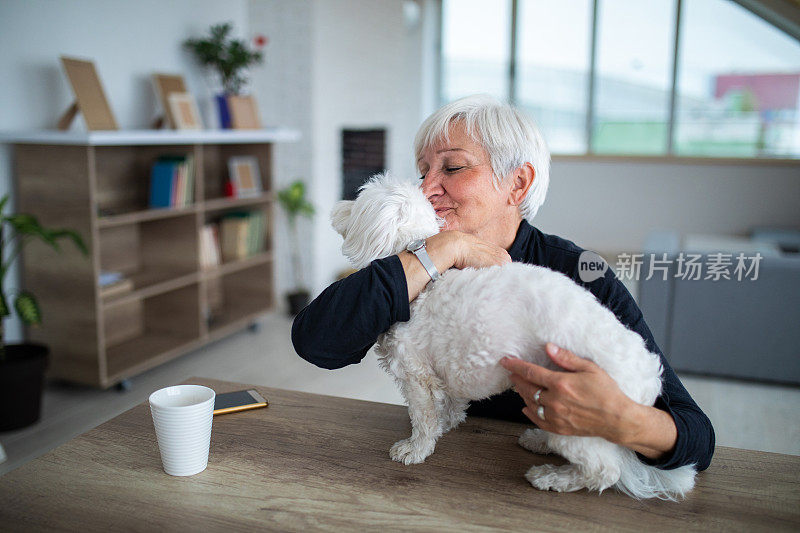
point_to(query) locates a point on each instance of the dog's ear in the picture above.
(340, 216)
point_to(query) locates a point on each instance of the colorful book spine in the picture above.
(172, 182)
(161, 185)
(209, 247)
(242, 235)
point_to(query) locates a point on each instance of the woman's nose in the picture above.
(431, 185)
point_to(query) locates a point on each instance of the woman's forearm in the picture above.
(440, 248)
(343, 322)
(450, 249)
(648, 430)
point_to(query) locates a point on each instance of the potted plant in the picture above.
(22, 366)
(293, 200)
(230, 58)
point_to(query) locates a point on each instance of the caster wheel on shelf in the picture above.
(254, 327)
(124, 386)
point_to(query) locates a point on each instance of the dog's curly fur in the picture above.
(447, 354)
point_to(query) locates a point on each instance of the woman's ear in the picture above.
(521, 182)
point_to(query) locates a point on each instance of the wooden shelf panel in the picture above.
(218, 204)
(149, 284)
(150, 137)
(135, 217)
(238, 313)
(165, 324)
(232, 324)
(239, 295)
(138, 354)
(235, 266)
(156, 255)
(154, 280)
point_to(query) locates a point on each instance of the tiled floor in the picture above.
(745, 415)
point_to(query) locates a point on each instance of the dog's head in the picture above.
(388, 214)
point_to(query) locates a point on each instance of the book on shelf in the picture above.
(210, 256)
(172, 181)
(123, 286)
(113, 283)
(108, 277)
(242, 234)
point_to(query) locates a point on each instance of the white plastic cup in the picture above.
(182, 417)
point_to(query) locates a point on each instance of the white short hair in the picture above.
(509, 136)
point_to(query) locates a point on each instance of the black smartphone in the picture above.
(231, 402)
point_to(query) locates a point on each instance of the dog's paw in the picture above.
(409, 451)
(534, 440)
(565, 478)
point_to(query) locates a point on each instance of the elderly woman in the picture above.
(485, 169)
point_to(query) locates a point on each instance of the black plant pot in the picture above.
(21, 383)
(297, 301)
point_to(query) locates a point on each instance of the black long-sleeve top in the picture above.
(341, 325)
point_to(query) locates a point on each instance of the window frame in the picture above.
(669, 156)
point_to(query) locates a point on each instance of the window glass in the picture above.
(553, 56)
(476, 37)
(633, 82)
(738, 84)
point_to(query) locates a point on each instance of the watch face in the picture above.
(415, 245)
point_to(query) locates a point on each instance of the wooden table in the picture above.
(319, 462)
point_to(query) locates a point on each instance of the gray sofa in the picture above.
(745, 329)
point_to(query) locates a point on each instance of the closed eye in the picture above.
(449, 170)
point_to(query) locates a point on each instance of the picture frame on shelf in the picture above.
(90, 97)
(166, 84)
(244, 113)
(245, 177)
(184, 110)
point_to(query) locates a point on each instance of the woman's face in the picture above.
(457, 179)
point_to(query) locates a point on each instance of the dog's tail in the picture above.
(641, 481)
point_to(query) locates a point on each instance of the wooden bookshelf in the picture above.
(97, 184)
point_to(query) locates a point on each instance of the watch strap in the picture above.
(425, 259)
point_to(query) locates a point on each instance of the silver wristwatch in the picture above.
(418, 248)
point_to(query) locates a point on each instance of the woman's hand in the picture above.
(470, 251)
(450, 249)
(585, 401)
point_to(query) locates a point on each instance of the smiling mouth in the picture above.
(442, 210)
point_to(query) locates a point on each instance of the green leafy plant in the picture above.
(294, 202)
(229, 57)
(23, 229)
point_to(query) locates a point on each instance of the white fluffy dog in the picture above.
(447, 354)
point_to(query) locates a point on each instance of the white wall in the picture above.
(282, 86)
(366, 73)
(127, 41)
(332, 65)
(610, 206)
